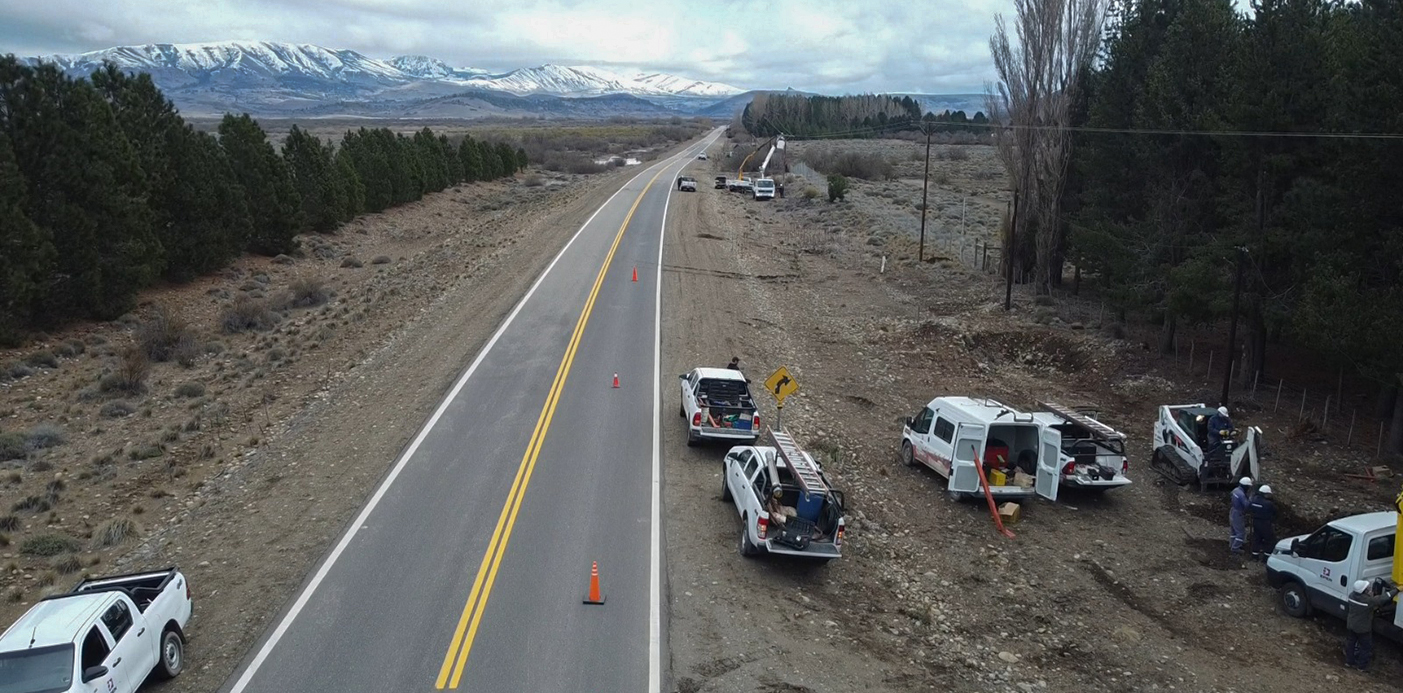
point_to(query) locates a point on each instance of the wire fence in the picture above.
(1340, 414)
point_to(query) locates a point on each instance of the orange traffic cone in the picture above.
(594, 596)
(635, 273)
(616, 380)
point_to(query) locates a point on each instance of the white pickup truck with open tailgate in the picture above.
(804, 519)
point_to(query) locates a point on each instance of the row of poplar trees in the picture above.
(1167, 181)
(105, 189)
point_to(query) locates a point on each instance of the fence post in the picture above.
(1325, 422)
(1193, 344)
(1255, 379)
(1302, 415)
(1277, 407)
(1209, 373)
(1379, 451)
(1350, 438)
(1340, 389)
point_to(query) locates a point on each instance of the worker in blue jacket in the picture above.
(1237, 515)
(1262, 510)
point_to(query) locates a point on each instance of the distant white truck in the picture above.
(1093, 454)
(763, 189)
(1316, 571)
(106, 636)
(717, 405)
(805, 521)
(687, 184)
(951, 433)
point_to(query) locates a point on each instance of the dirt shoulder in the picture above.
(1130, 591)
(247, 475)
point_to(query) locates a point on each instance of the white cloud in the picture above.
(830, 46)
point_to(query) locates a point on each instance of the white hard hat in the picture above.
(1266, 488)
(1361, 585)
(1245, 481)
(1223, 411)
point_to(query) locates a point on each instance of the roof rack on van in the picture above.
(1097, 428)
(806, 473)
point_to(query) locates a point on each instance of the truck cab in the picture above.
(953, 434)
(106, 636)
(764, 189)
(1315, 572)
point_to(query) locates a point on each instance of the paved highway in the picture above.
(467, 567)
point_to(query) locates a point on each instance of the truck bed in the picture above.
(142, 588)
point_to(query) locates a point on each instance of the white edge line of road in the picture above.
(247, 676)
(655, 592)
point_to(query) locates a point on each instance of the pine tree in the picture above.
(26, 251)
(521, 160)
(507, 156)
(86, 187)
(471, 155)
(319, 184)
(272, 200)
(355, 189)
(455, 164)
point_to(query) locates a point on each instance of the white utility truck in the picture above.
(764, 189)
(807, 521)
(1183, 454)
(717, 405)
(1093, 454)
(951, 433)
(1316, 571)
(106, 636)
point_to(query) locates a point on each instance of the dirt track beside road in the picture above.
(1130, 591)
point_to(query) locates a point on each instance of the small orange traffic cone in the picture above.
(616, 380)
(594, 596)
(635, 273)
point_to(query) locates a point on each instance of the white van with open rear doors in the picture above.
(951, 433)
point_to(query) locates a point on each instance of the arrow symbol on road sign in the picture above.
(780, 385)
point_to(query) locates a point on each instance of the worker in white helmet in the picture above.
(1364, 600)
(1237, 515)
(1262, 510)
(1219, 427)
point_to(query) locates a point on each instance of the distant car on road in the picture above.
(687, 184)
(702, 156)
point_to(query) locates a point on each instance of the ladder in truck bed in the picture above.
(1096, 427)
(804, 471)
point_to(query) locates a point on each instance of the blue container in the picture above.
(809, 506)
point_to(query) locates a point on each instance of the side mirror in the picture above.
(910, 423)
(94, 673)
(682, 377)
(1295, 547)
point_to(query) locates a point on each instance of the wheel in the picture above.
(747, 549)
(692, 438)
(908, 456)
(1294, 600)
(682, 410)
(957, 496)
(725, 488)
(172, 660)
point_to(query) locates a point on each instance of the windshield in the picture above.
(40, 670)
(765, 185)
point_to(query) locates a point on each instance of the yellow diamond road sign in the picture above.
(781, 384)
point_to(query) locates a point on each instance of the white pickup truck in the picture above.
(763, 189)
(1316, 571)
(717, 405)
(1093, 454)
(106, 636)
(811, 510)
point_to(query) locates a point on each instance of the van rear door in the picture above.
(969, 444)
(1049, 476)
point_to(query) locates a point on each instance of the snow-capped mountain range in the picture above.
(318, 71)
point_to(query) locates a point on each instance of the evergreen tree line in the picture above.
(798, 116)
(1155, 209)
(105, 189)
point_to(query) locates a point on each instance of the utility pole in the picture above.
(1008, 253)
(1232, 329)
(925, 186)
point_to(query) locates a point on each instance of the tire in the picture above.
(957, 496)
(682, 410)
(908, 456)
(693, 439)
(1293, 599)
(747, 549)
(725, 488)
(172, 659)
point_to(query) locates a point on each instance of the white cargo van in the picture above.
(950, 433)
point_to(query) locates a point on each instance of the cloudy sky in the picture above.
(832, 46)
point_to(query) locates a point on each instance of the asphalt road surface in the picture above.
(468, 567)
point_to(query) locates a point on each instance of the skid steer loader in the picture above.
(1183, 454)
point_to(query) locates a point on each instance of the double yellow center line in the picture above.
(451, 673)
